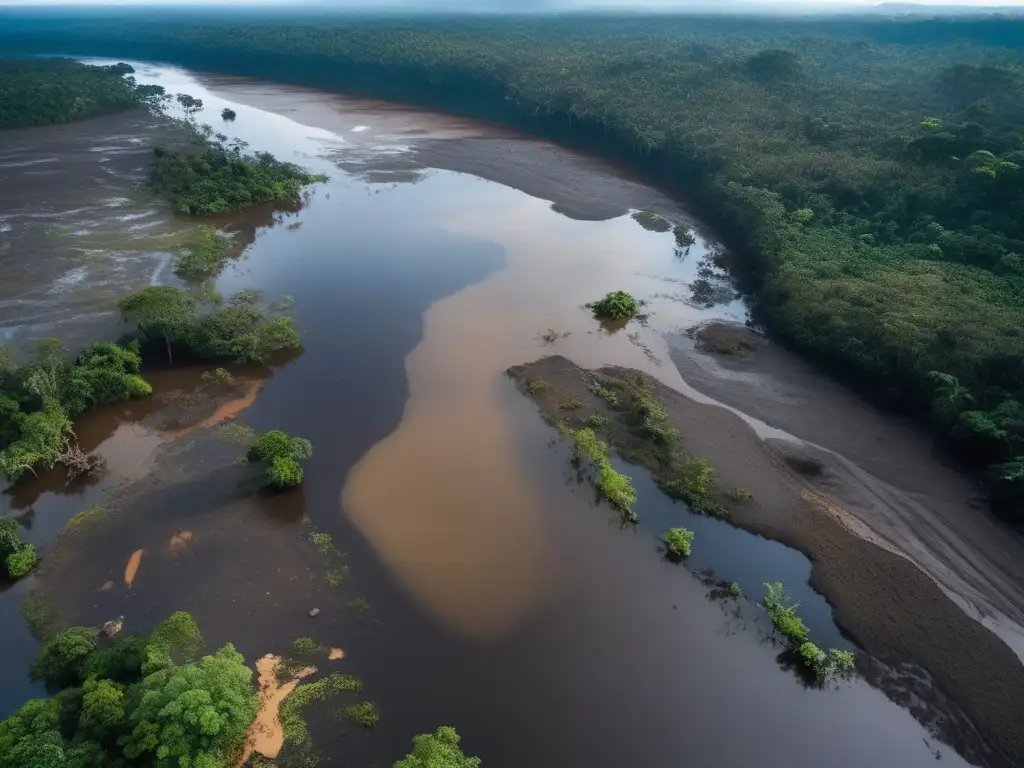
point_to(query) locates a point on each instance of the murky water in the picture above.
(501, 600)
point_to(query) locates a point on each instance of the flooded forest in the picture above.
(440, 392)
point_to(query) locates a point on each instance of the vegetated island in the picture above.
(158, 701)
(701, 454)
(871, 182)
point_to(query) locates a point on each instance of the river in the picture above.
(484, 588)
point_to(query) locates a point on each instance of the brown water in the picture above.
(501, 600)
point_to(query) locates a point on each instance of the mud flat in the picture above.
(880, 597)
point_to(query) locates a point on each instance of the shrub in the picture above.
(617, 305)
(570, 403)
(782, 611)
(282, 453)
(613, 486)
(651, 221)
(365, 713)
(21, 561)
(677, 542)
(596, 421)
(537, 387)
(437, 750)
(694, 483)
(306, 646)
(205, 255)
(610, 395)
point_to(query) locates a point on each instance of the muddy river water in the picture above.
(483, 588)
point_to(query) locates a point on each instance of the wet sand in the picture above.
(887, 603)
(882, 468)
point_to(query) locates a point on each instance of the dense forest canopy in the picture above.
(867, 172)
(48, 91)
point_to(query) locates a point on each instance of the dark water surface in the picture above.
(498, 597)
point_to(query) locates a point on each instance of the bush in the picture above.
(282, 453)
(617, 305)
(437, 750)
(365, 713)
(677, 542)
(782, 611)
(22, 561)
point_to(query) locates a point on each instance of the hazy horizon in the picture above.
(533, 5)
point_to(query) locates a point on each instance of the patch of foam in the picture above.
(70, 279)
(360, 128)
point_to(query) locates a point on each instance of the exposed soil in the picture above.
(882, 468)
(888, 604)
(266, 736)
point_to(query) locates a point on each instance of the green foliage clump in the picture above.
(113, 711)
(62, 660)
(596, 421)
(537, 387)
(83, 519)
(282, 454)
(323, 543)
(239, 330)
(609, 394)
(296, 732)
(677, 542)
(617, 305)
(364, 712)
(824, 665)
(735, 590)
(437, 750)
(570, 403)
(612, 485)
(22, 561)
(306, 646)
(209, 176)
(218, 376)
(18, 557)
(693, 482)
(205, 256)
(683, 236)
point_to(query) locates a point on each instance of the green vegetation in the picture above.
(537, 387)
(740, 494)
(570, 403)
(306, 646)
(134, 702)
(298, 743)
(360, 604)
(218, 376)
(49, 91)
(693, 482)
(596, 421)
(364, 712)
(205, 255)
(824, 665)
(18, 558)
(209, 175)
(684, 237)
(607, 393)
(677, 542)
(83, 519)
(617, 305)
(337, 577)
(867, 171)
(239, 329)
(228, 114)
(282, 454)
(734, 590)
(612, 485)
(323, 543)
(39, 398)
(651, 221)
(437, 750)
(38, 615)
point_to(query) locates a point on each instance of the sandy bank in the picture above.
(884, 600)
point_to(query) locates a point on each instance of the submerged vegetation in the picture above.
(282, 454)
(824, 665)
(868, 171)
(617, 305)
(133, 701)
(205, 255)
(613, 486)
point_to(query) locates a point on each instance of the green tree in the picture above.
(161, 311)
(282, 453)
(194, 715)
(437, 750)
(63, 658)
(102, 708)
